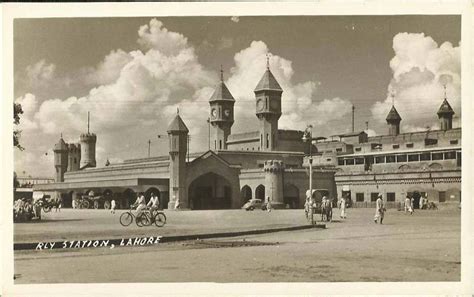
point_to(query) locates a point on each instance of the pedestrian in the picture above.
(342, 207)
(422, 202)
(177, 205)
(412, 205)
(112, 206)
(379, 209)
(408, 205)
(269, 204)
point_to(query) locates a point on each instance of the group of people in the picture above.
(410, 201)
(24, 210)
(141, 204)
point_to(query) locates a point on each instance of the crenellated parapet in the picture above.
(274, 166)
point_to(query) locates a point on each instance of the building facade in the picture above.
(397, 164)
(270, 163)
(263, 164)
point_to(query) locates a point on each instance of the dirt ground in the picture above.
(421, 247)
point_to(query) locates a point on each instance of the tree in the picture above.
(17, 110)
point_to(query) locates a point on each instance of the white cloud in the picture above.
(40, 73)
(137, 93)
(420, 69)
(299, 101)
(29, 105)
(109, 69)
(137, 86)
(155, 36)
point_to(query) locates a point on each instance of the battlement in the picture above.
(88, 137)
(273, 166)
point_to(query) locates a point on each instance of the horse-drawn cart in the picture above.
(319, 205)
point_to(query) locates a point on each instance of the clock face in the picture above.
(227, 112)
(260, 105)
(275, 104)
(214, 113)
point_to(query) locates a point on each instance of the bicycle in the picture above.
(128, 217)
(159, 218)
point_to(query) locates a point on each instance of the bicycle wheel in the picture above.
(46, 208)
(160, 219)
(126, 219)
(143, 220)
(85, 204)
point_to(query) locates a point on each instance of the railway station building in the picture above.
(269, 162)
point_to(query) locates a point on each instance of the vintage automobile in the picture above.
(253, 204)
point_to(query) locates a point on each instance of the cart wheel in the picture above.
(107, 205)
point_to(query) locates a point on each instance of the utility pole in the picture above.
(367, 125)
(353, 109)
(149, 146)
(209, 133)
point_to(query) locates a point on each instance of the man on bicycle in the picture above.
(140, 203)
(153, 204)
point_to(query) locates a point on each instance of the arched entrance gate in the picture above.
(210, 191)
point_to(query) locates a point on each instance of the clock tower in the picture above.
(268, 109)
(222, 115)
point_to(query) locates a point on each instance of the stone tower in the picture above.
(268, 109)
(178, 137)
(74, 157)
(222, 115)
(88, 141)
(445, 115)
(60, 159)
(393, 121)
(274, 170)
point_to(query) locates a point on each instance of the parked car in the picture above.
(253, 204)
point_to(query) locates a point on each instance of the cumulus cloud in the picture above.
(109, 69)
(134, 89)
(136, 94)
(300, 105)
(420, 70)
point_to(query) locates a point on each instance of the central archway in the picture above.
(210, 191)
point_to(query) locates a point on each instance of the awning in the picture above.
(93, 184)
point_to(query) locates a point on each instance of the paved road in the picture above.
(422, 247)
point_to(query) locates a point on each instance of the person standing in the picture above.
(269, 204)
(177, 205)
(408, 206)
(412, 205)
(342, 206)
(112, 206)
(379, 209)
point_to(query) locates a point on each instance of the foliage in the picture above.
(17, 110)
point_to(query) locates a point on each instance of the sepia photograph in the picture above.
(237, 149)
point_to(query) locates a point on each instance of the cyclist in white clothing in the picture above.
(154, 204)
(140, 203)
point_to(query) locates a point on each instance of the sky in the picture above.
(133, 73)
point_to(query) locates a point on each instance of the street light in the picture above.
(308, 136)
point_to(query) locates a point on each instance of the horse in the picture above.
(326, 210)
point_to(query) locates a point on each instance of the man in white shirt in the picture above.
(379, 209)
(153, 204)
(140, 203)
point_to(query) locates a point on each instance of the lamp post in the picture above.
(308, 136)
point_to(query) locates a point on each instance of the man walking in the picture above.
(379, 209)
(112, 206)
(408, 205)
(269, 204)
(342, 206)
